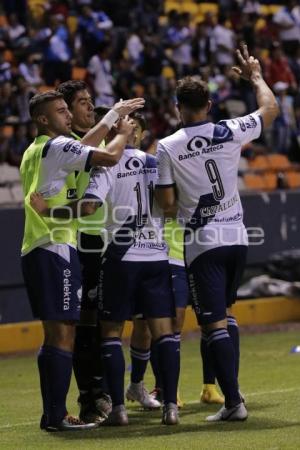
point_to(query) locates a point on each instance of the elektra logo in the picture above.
(67, 289)
(134, 163)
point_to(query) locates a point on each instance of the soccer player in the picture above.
(49, 259)
(93, 399)
(198, 169)
(174, 237)
(134, 276)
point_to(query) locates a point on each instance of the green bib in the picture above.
(92, 224)
(173, 233)
(42, 230)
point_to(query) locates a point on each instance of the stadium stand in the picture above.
(161, 41)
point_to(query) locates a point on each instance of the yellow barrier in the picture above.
(27, 336)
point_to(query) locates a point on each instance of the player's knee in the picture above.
(60, 335)
(160, 327)
(141, 336)
(214, 325)
(178, 320)
(111, 329)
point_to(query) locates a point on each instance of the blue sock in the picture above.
(155, 365)
(222, 353)
(139, 360)
(55, 367)
(207, 364)
(42, 365)
(169, 365)
(177, 337)
(114, 363)
(83, 357)
(233, 330)
(87, 361)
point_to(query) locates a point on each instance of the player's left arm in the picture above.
(78, 208)
(165, 189)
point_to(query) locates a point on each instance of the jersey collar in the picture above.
(195, 124)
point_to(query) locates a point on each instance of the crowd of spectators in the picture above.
(139, 48)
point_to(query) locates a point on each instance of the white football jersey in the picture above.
(133, 222)
(202, 160)
(62, 156)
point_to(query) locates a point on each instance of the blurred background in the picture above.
(127, 48)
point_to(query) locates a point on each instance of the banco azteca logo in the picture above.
(134, 163)
(197, 143)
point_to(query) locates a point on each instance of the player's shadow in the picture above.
(151, 427)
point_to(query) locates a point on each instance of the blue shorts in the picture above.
(180, 286)
(53, 284)
(214, 277)
(129, 288)
(90, 261)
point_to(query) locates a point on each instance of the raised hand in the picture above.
(38, 203)
(248, 65)
(124, 107)
(126, 126)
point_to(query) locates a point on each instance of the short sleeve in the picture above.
(99, 184)
(165, 170)
(68, 154)
(244, 129)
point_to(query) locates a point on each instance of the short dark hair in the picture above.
(192, 92)
(101, 110)
(38, 101)
(69, 88)
(140, 118)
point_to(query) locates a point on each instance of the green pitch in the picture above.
(270, 380)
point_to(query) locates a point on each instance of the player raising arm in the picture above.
(49, 260)
(198, 168)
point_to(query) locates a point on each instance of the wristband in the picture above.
(110, 118)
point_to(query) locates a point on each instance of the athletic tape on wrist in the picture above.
(110, 118)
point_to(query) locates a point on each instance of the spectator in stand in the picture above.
(92, 26)
(8, 111)
(59, 7)
(5, 67)
(219, 97)
(57, 51)
(30, 69)
(225, 43)
(152, 58)
(18, 7)
(178, 39)
(268, 33)
(17, 144)
(23, 94)
(125, 79)
(146, 14)
(288, 21)
(99, 71)
(15, 31)
(276, 68)
(285, 123)
(134, 47)
(294, 64)
(202, 46)
(3, 145)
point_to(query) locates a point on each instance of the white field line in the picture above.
(20, 424)
(250, 394)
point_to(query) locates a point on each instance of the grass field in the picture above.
(270, 380)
